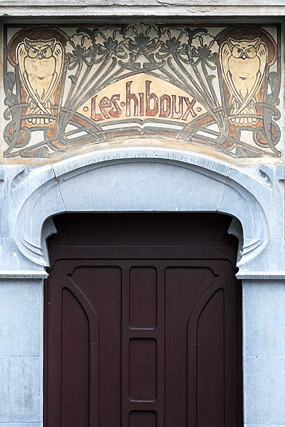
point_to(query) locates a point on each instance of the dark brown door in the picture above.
(142, 323)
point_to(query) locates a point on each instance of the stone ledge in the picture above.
(261, 275)
(22, 274)
(144, 3)
(146, 9)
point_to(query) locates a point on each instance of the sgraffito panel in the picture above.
(75, 89)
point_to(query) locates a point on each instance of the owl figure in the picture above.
(243, 66)
(40, 67)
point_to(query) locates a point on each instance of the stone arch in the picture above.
(141, 180)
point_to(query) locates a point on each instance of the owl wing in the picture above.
(58, 56)
(225, 56)
(21, 55)
(262, 56)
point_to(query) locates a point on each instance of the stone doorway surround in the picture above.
(142, 179)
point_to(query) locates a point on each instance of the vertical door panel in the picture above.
(102, 286)
(183, 288)
(142, 419)
(142, 344)
(143, 298)
(143, 369)
(84, 358)
(75, 362)
(210, 362)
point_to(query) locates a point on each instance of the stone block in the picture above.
(20, 318)
(20, 390)
(264, 319)
(264, 391)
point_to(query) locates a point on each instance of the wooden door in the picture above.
(142, 323)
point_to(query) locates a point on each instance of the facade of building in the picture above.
(127, 107)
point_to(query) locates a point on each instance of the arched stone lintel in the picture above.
(142, 179)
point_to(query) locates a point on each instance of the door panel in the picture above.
(149, 335)
(143, 298)
(75, 345)
(185, 287)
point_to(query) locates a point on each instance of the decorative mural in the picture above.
(215, 87)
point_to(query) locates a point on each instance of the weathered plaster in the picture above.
(142, 8)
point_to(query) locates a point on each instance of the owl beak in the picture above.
(243, 56)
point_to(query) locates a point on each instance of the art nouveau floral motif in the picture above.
(204, 46)
(173, 39)
(77, 49)
(227, 83)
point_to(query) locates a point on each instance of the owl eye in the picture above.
(237, 52)
(32, 52)
(250, 52)
(47, 52)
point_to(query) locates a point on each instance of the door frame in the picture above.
(105, 251)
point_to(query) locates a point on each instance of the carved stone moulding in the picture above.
(146, 180)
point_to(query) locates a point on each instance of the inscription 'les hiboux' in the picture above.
(147, 104)
(214, 86)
